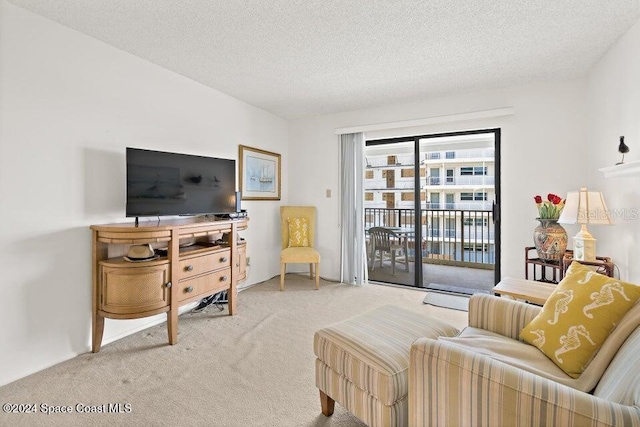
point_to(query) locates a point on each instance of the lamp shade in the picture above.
(584, 207)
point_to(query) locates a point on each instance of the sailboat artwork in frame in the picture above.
(259, 174)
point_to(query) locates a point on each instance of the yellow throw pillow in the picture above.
(579, 316)
(298, 232)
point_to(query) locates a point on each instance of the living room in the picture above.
(70, 104)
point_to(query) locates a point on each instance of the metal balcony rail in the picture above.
(458, 206)
(461, 180)
(488, 153)
(465, 237)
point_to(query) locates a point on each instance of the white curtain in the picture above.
(353, 258)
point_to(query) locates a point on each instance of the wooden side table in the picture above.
(543, 271)
(554, 271)
(602, 264)
(522, 289)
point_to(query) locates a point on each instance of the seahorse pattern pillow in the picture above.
(578, 317)
(298, 232)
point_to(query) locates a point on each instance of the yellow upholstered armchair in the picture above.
(298, 232)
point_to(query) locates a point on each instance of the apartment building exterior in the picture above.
(457, 190)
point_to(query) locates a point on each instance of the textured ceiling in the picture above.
(297, 58)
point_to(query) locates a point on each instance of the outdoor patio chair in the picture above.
(384, 240)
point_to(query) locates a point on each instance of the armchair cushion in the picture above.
(579, 316)
(300, 254)
(491, 318)
(298, 232)
(507, 350)
(449, 385)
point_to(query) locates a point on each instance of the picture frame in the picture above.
(260, 173)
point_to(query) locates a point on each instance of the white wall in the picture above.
(69, 105)
(542, 151)
(614, 110)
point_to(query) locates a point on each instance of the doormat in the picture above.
(449, 296)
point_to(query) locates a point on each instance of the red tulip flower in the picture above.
(550, 208)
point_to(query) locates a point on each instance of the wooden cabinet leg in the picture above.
(231, 300)
(172, 325)
(98, 329)
(327, 404)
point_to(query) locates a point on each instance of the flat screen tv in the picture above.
(161, 184)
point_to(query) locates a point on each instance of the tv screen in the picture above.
(161, 183)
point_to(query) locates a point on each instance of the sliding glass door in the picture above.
(439, 195)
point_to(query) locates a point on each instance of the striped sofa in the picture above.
(486, 376)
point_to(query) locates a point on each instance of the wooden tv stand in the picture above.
(131, 290)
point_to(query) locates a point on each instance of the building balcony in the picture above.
(444, 208)
(461, 181)
(463, 156)
(464, 237)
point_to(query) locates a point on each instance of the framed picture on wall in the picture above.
(259, 174)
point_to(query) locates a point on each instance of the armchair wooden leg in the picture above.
(310, 270)
(318, 275)
(327, 404)
(283, 268)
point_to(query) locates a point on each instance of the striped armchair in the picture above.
(487, 377)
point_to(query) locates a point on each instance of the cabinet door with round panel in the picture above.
(133, 292)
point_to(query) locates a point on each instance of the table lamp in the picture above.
(584, 207)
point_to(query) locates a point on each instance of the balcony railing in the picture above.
(461, 180)
(458, 206)
(488, 153)
(462, 237)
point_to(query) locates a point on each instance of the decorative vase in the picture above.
(550, 240)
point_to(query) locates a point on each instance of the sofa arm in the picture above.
(500, 315)
(452, 386)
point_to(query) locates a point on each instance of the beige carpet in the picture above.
(252, 369)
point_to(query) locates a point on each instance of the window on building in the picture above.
(450, 155)
(466, 196)
(368, 197)
(407, 173)
(433, 156)
(434, 248)
(473, 170)
(480, 196)
(449, 176)
(368, 175)
(407, 196)
(476, 221)
(476, 247)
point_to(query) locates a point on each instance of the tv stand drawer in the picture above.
(200, 286)
(196, 265)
